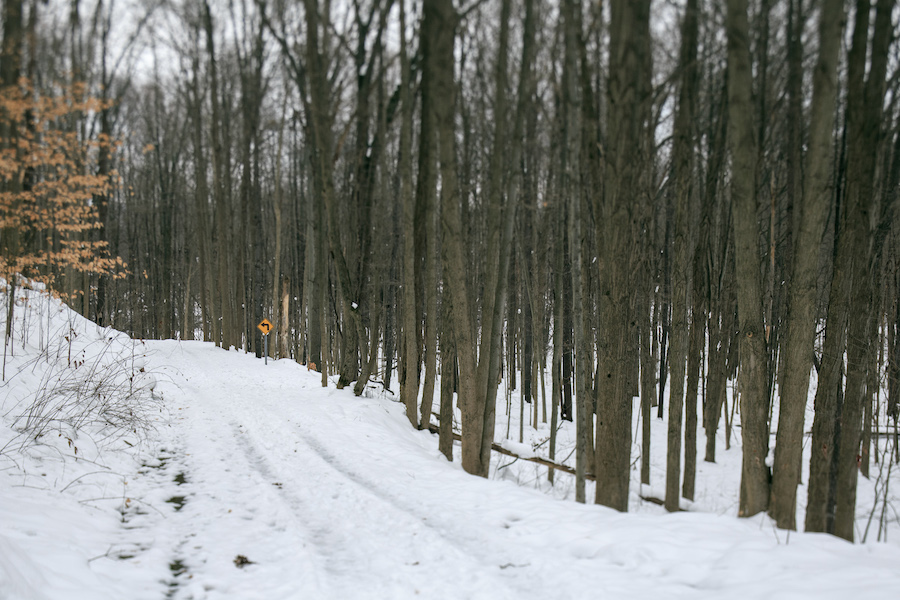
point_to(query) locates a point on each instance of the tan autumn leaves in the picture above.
(49, 187)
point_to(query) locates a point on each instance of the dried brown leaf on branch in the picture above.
(50, 186)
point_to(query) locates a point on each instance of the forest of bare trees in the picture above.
(622, 209)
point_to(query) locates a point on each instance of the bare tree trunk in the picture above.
(409, 383)
(692, 395)
(836, 425)
(713, 261)
(284, 347)
(663, 313)
(863, 309)
(439, 26)
(225, 335)
(317, 280)
(427, 242)
(320, 123)
(648, 368)
(449, 381)
(628, 104)
(811, 215)
(558, 326)
(682, 154)
(432, 278)
(572, 192)
(754, 495)
(201, 200)
(873, 367)
(893, 348)
(280, 316)
(500, 227)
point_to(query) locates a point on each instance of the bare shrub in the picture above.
(106, 393)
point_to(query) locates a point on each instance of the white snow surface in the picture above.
(332, 496)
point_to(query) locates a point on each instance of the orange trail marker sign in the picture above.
(265, 326)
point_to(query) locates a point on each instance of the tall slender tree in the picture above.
(811, 216)
(627, 115)
(752, 380)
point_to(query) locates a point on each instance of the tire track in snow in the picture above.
(343, 535)
(363, 531)
(237, 511)
(446, 534)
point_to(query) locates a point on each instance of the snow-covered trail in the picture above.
(301, 481)
(320, 495)
(332, 496)
(262, 480)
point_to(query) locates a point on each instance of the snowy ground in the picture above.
(332, 496)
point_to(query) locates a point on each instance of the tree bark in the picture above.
(752, 378)
(628, 105)
(811, 215)
(409, 383)
(449, 378)
(572, 192)
(439, 26)
(682, 156)
(860, 205)
(648, 367)
(201, 201)
(427, 235)
(835, 443)
(225, 335)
